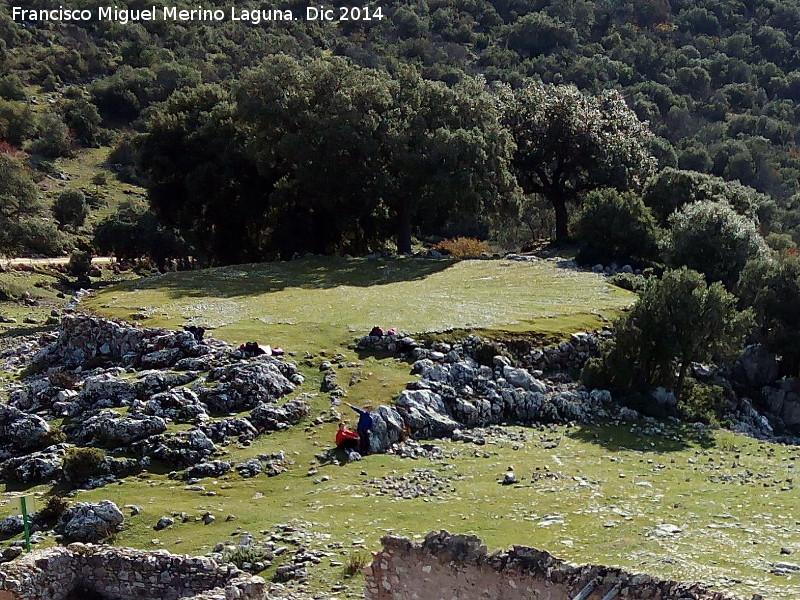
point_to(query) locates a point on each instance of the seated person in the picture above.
(346, 439)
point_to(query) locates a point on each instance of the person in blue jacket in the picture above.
(364, 428)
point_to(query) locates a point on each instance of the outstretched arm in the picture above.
(355, 408)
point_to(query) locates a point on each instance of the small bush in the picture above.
(703, 403)
(53, 437)
(628, 281)
(79, 263)
(355, 563)
(81, 464)
(463, 247)
(242, 555)
(70, 208)
(54, 507)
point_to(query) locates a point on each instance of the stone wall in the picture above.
(123, 574)
(458, 567)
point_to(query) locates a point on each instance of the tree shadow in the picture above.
(317, 272)
(617, 438)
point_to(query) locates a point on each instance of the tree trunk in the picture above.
(682, 378)
(404, 229)
(562, 219)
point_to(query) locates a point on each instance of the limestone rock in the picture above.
(270, 417)
(36, 467)
(90, 522)
(109, 430)
(182, 449)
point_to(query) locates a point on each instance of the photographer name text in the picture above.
(124, 16)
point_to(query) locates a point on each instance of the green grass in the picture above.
(733, 527)
(329, 301)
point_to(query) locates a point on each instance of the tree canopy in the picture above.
(321, 155)
(569, 143)
(677, 320)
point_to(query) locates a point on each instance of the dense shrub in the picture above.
(676, 321)
(70, 208)
(54, 138)
(79, 263)
(628, 281)
(710, 237)
(615, 226)
(81, 464)
(17, 122)
(11, 88)
(772, 287)
(463, 247)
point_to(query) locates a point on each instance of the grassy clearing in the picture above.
(585, 494)
(326, 302)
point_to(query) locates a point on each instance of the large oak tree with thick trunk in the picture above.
(569, 143)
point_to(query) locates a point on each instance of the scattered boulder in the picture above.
(214, 468)
(108, 429)
(270, 417)
(163, 523)
(37, 467)
(387, 428)
(89, 522)
(181, 449)
(249, 468)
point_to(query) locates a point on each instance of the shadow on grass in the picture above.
(308, 273)
(619, 437)
(24, 331)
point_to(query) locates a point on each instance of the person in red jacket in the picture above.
(346, 439)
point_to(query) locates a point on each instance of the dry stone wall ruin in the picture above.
(459, 567)
(85, 570)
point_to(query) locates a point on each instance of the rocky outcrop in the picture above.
(88, 571)
(461, 564)
(84, 340)
(465, 394)
(181, 449)
(755, 368)
(36, 467)
(214, 468)
(94, 367)
(241, 386)
(180, 405)
(783, 401)
(224, 429)
(20, 432)
(88, 522)
(270, 417)
(108, 429)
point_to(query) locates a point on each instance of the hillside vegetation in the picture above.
(716, 82)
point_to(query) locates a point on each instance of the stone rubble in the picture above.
(115, 384)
